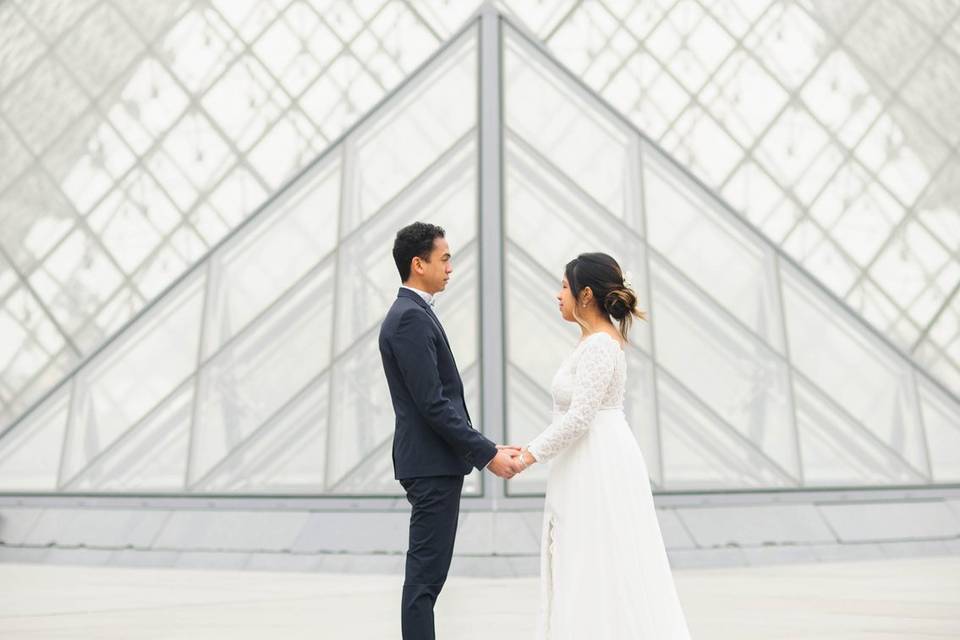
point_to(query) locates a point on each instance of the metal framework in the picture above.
(683, 59)
(134, 144)
(184, 400)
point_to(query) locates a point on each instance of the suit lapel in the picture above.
(423, 303)
(436, 321)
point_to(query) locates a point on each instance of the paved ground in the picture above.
(889, 599)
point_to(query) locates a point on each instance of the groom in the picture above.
(434, 442)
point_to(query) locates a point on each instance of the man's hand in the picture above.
(503, 464)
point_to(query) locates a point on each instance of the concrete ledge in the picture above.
(891, 521)
(231, 530)
(16, 523)
(489, 543)
(755, 525)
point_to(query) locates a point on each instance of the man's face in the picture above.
(435, 273)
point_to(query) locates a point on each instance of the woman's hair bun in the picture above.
(620, 303)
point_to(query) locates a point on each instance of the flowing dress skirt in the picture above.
(604, 572)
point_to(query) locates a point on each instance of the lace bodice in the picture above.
(593, 377)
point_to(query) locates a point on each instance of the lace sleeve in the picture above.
(594, 371)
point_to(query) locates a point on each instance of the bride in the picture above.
(604, 573)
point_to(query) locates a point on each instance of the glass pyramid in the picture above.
(257, 372)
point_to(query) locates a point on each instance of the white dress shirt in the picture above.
(423, 294)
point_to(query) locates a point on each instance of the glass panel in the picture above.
(289, 145)
(640, 405)
(906, 279)
(726, 262)
(87, 160)
(30, 453)
(202, 155)
(726, 367)
(263, 369)
(838, 451)
(76, 279)
(29, 343)
(152, 456)
(361, 417)
(267, 259)
(199, 46)
(534, 344)
(470, 375)
(34, 216)
(21, 47)
(55, 371)
(245, 121)
(125, 232)
(935, 362)
(123, 383)
(941, 419)
(695, 129)
(372, 475)
(8, 279)
(528, 413)
(286, 455)
(42, 103)
(854, 369)
(701, 452)
(429, 117)
(546, 110)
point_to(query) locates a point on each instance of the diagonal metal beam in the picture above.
(255, 215)
(723, 206)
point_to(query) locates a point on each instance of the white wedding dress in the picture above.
(604, 573)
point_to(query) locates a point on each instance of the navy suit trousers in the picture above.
(435, 503)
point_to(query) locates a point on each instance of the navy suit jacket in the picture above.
(433, 435)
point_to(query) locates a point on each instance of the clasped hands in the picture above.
(510, 460)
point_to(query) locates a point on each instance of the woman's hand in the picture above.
(527, 458)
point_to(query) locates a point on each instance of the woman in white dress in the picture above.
(604, 572)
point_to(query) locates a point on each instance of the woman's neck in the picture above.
(594, 325)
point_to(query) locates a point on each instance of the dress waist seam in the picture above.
(600, 410)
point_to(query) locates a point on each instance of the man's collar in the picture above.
(427, 297)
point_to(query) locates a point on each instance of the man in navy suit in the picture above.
(434, 444)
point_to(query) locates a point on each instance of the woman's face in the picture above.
(566, 300)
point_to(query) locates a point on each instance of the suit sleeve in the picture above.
(416, 355)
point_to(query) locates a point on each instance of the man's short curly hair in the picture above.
(414, 240)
